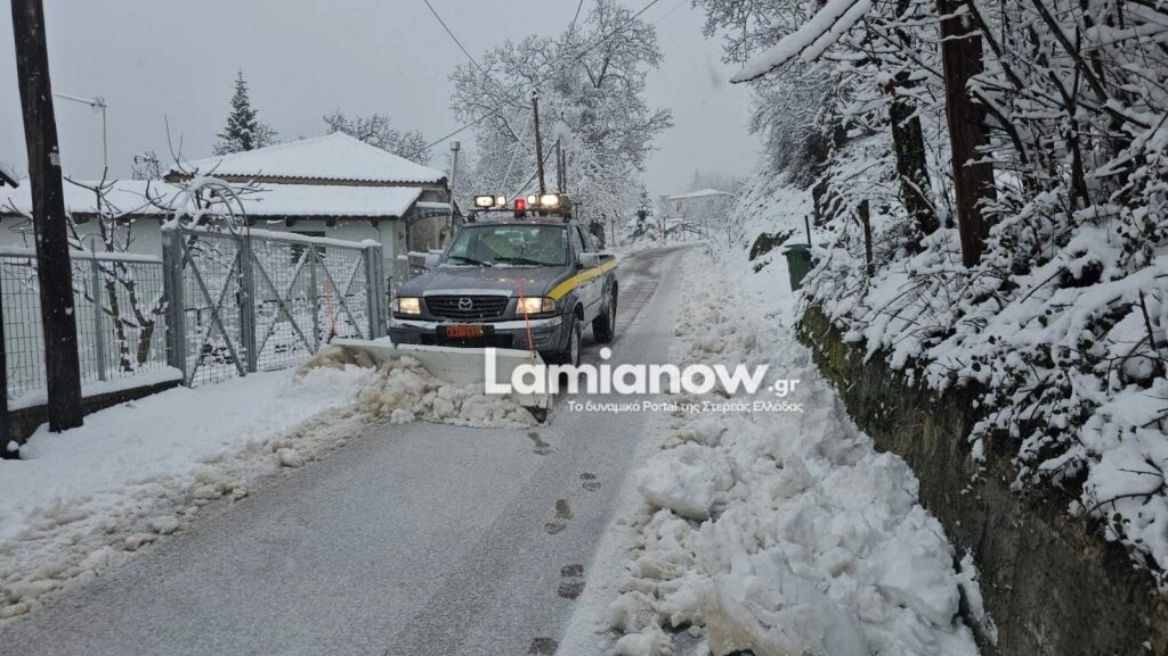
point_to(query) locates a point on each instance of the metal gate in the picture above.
(245, 300)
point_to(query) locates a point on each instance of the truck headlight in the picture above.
(536, 305)
(407, 305)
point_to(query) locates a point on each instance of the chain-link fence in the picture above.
(253, 300)
(120, 313)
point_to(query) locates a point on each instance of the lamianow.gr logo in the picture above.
(632, 379)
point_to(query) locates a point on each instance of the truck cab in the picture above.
(517, 277)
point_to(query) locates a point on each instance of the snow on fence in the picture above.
(121, 324)
(253, 300)
(242, 302)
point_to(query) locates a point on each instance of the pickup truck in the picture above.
(523, 283)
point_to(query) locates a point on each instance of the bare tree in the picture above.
(377, 130)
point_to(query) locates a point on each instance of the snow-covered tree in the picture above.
(377, 130)
(244, 131)
(1053, 114)
(591, 83)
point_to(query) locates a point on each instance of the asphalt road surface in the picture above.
(414, 539)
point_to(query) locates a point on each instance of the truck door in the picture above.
(592, 291)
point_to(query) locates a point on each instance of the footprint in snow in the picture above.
(590, 483)
(574, 585)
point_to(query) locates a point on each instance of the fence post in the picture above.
(98, 327)
(172, 281)
(314, 296)
(247, 318)
(4, 437)
(374, 291)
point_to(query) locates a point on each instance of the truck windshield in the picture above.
(509, 245)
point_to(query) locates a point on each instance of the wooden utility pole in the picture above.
(559, 167)
(538, 143)
(961, 58)
(62, 368)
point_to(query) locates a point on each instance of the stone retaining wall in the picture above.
(1051, 584)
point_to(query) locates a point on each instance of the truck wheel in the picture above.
(571, 353)
(604, 326)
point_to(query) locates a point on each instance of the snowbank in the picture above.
(87, 499)
(781, 533)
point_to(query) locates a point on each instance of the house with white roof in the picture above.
(703, 210)
(333, 186)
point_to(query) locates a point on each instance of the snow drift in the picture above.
(782, 533)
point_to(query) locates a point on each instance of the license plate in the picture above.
(464, 332)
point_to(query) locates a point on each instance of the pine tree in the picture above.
(243, 131)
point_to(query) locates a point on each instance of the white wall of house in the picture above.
(145, 236)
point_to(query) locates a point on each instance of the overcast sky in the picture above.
(161, 59)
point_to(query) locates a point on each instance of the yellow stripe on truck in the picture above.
(563, 289)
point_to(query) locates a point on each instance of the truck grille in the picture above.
(456, 307)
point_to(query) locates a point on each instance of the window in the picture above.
(577, 242)
(586, 238)
(509, 244)
(297, 250)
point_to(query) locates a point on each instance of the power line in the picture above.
(454, 38)
(541, 80)
(671, 11)
(572, 26)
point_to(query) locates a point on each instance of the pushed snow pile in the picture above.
(685, 480)
(84, 500)
(782, 533)
(404, 391)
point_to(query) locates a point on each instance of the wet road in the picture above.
(415, 539)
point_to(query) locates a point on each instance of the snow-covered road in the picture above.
(413, 539)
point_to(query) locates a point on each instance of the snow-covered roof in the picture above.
(333, 157)
(703, 193)
(131, 196)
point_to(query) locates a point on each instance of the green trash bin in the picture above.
(799, 263)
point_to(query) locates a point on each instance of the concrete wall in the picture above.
(1052, 585)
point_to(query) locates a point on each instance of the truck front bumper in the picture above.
(546, 334)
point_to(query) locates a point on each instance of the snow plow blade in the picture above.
(460, 366)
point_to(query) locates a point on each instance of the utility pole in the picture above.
(559, 168)
(454, 148)
(538, 143)
(62, 368)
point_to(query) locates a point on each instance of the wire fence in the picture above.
(217, 305)
(119, 307)
(253, 300)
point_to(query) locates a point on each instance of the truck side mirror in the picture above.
(588, 260)
(431, 261)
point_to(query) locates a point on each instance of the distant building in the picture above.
(705, 208)
(334, 186)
